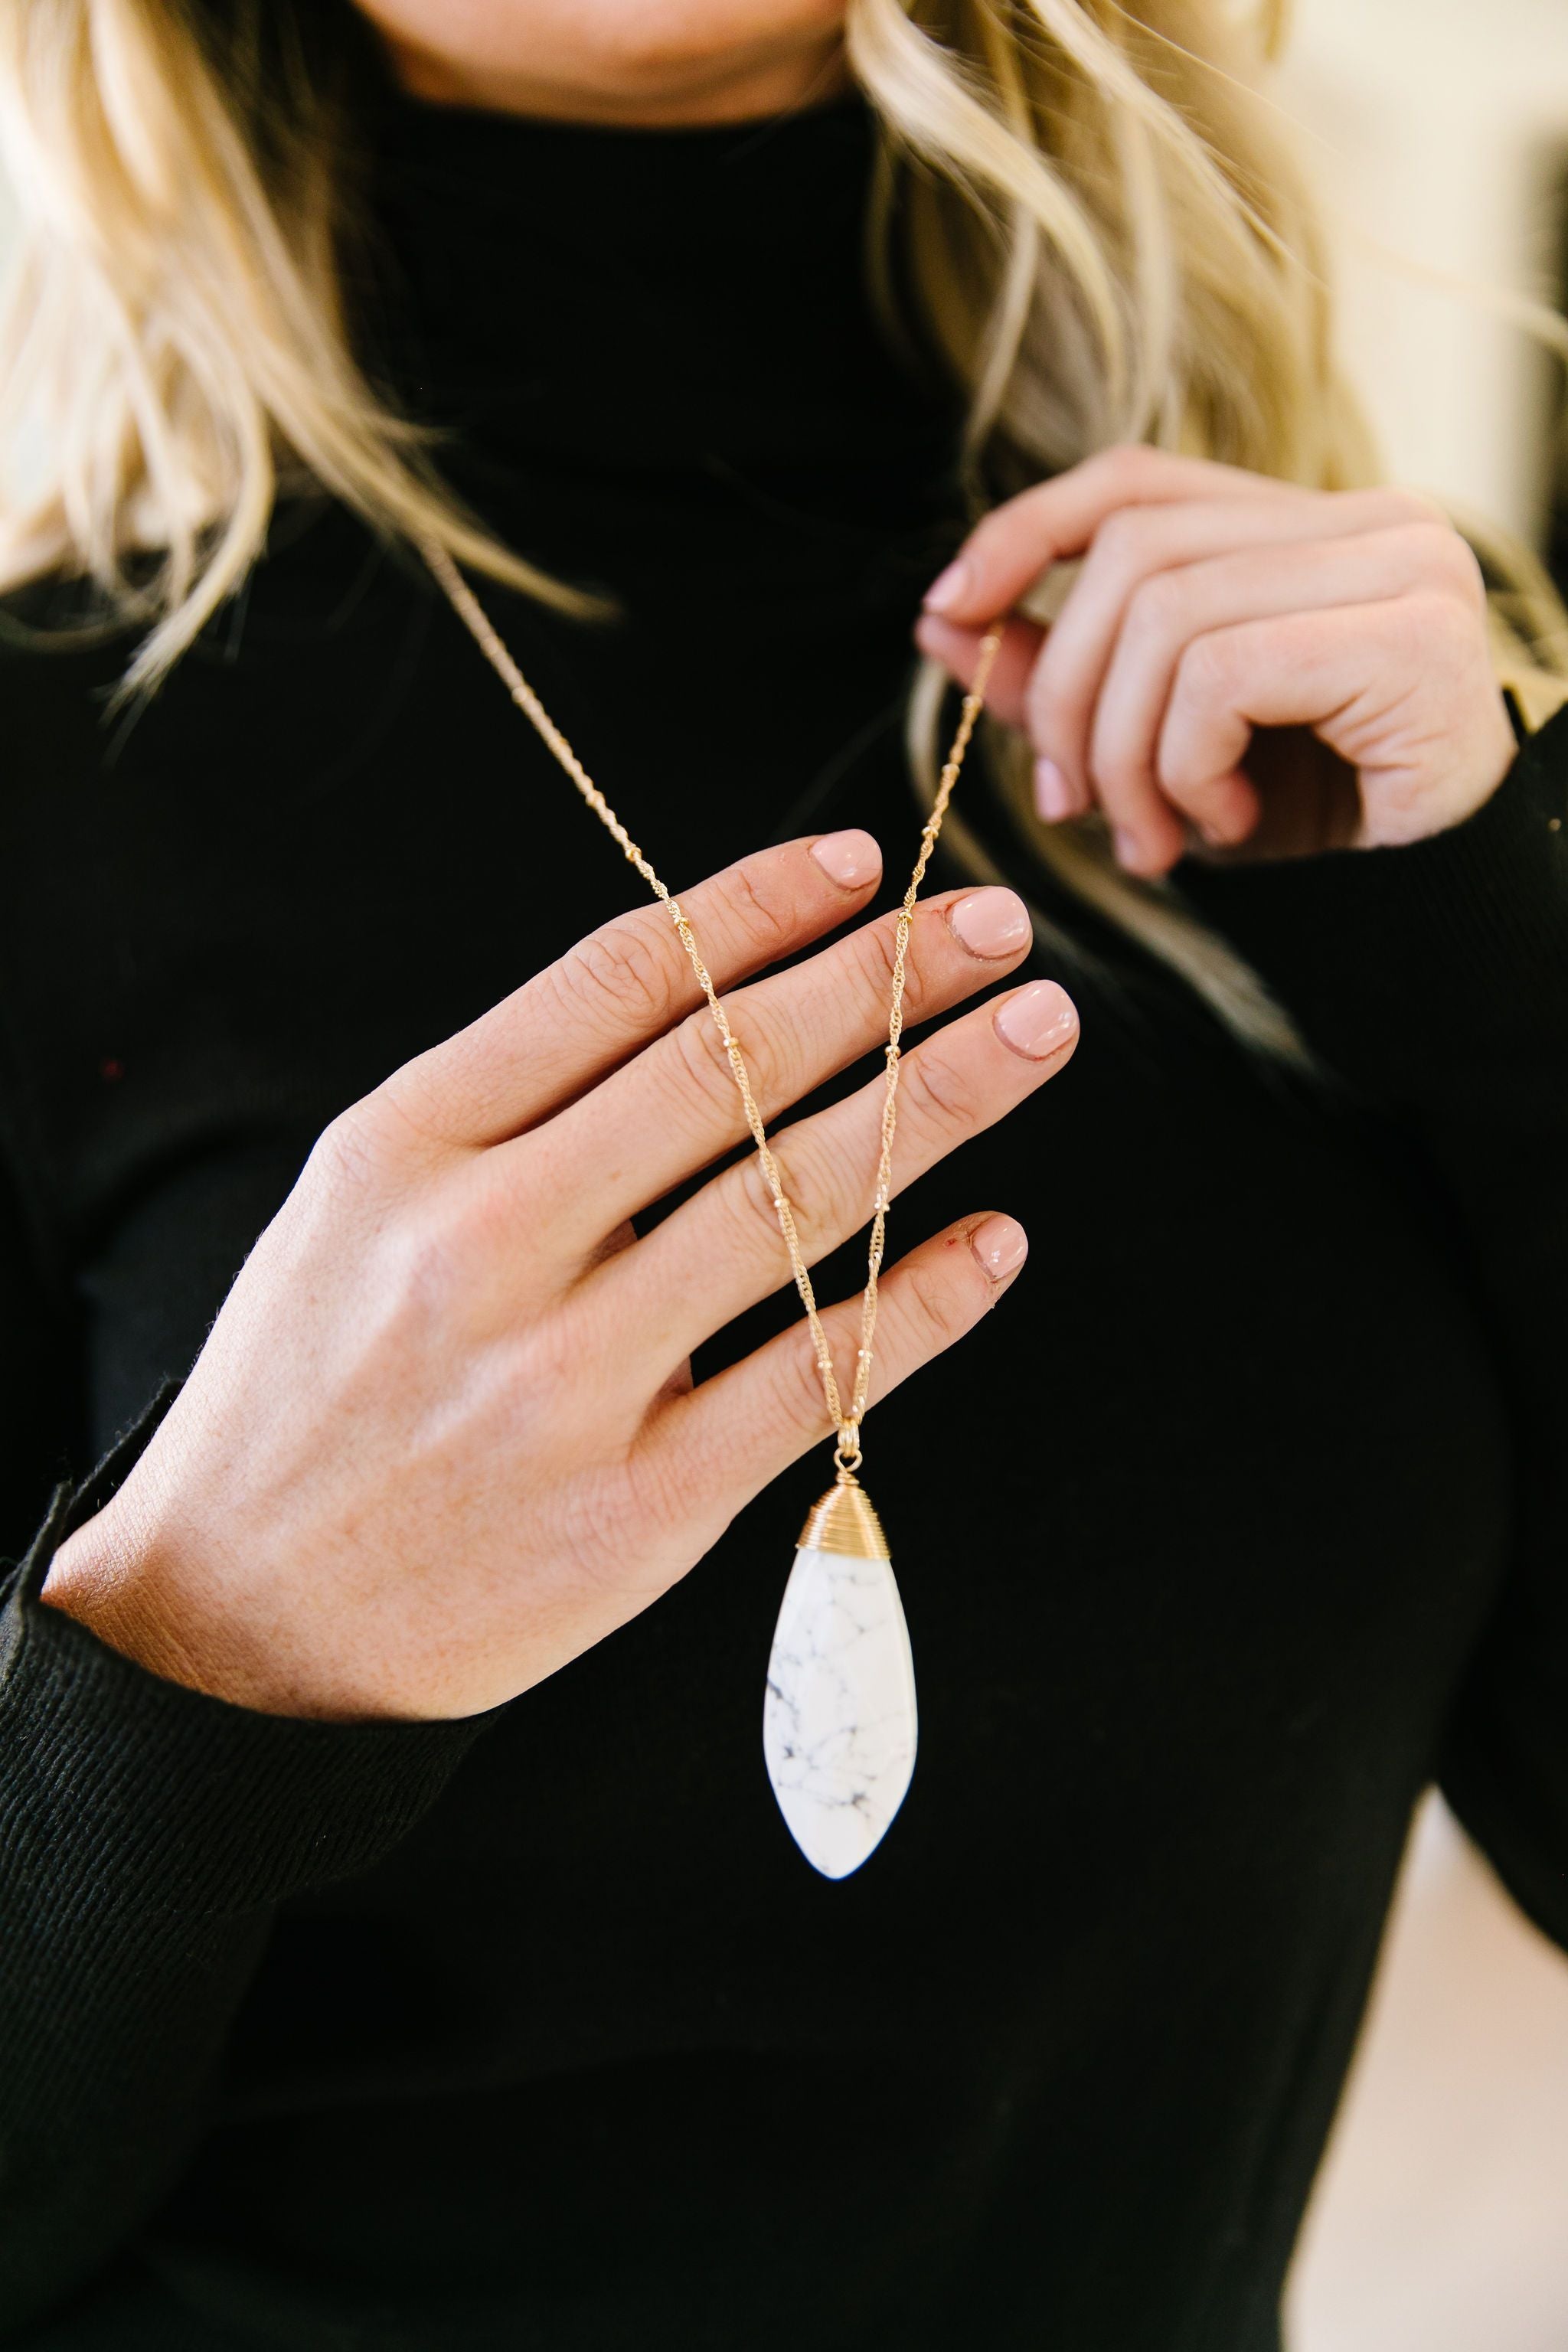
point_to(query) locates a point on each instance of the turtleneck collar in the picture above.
(635, 297)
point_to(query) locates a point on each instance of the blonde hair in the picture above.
(1103, 231)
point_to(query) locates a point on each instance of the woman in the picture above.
(401, 1945)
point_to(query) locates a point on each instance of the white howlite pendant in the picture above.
(838, 1724)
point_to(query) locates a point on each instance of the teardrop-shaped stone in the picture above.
(838, 1724)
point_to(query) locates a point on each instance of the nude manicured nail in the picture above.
(991, 922)
(949, 587)
(1001, 1245)
(1053, 793)
(1037, 1021)
(850, 859)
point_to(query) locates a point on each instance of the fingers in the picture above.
(1010, 547)
(958, 649)
(1171, 611)
(738, 1431)
(1140, 575)
(722, 1250)
(1195, 549)
(1356, 663)
(676, 1108)
(624, 984)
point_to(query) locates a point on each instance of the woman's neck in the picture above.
(767, 77)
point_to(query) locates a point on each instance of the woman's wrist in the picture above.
(103, 1576)
(113, 1577)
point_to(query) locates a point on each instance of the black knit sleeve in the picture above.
(1433, 979)
(146, 1833)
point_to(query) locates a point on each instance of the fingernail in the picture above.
(1037, 1021)
(1053, 793)
(949, 587)
(991, 922)
(1129, 850)
(850, 859)
(1001, 1245)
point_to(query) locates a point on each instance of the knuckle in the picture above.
(813, 1188)
(1191, 786)
(437, 1260)
(660, 1478)
(419, 1276)
(872, 949)
(1012, 524)
(1127, 465)
(1154, 607)
(938, 1096)
(928, 938)
(482, 1218)
(1177, 775)
(748, 1204)
(1434, 622)
(797, 1383)
(616, 975)
(350, 1154)
(1121, 541)
(703, 1074)
(808, 1187)
(1033, 506)
(544, 1365)
(934, 1303)
(826, 1187)
(1455, 560)
(1404, 504)
(765, 916)
(594, 1530)
(1435, 553)
(1206, 667)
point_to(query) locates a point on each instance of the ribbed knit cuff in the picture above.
(119, 1788)
(1401, 964)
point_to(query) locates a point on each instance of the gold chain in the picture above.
(847, 1423)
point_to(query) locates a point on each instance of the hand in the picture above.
(443, 1435)
(1286, 668)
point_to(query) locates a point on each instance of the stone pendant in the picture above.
(839, 1723)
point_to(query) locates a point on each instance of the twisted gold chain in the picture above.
(846, 1421)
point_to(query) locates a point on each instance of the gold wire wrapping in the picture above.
(846, 1452)
(845, 1522)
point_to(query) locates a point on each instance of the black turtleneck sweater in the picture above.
(1238, 1523)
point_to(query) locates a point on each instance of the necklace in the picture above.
(838, 1719)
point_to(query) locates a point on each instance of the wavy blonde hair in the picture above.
(1102, 228)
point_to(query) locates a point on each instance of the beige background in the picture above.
(1440, 128)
